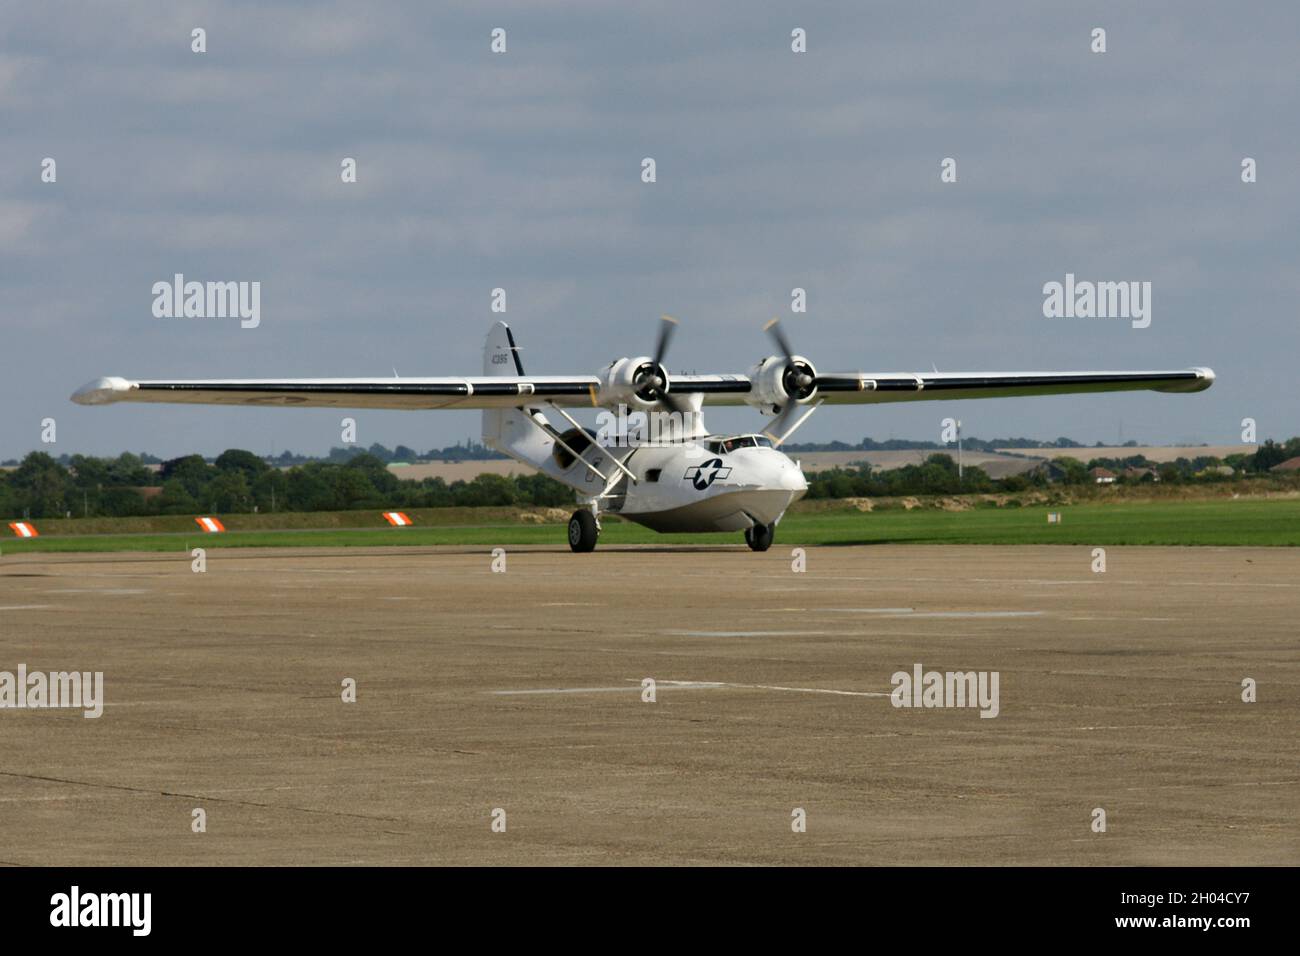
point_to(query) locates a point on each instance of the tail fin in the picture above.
(507, 429)
(500, 354)
(523, 432)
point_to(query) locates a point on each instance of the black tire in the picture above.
(759, 537)
(583, 531)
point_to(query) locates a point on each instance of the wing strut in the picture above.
(779, 433)
(552, 434)
(612, 457)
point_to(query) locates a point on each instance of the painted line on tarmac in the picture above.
(909, 612)
(794, 690)
(867, 610)
(100, 591)
(702, 685)
(634, 686)
(749, 633)
(1071, 582)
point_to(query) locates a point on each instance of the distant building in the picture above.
(1145, 474)
(1049, 470)
(1291, 464)
(1102, 476)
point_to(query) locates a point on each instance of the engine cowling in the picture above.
(635, 382)
(776, 382)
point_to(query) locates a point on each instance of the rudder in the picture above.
(500, 353)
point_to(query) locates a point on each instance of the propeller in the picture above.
(798, 380)
(651, 379)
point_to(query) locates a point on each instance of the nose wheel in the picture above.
(583, 531)
(759, 537)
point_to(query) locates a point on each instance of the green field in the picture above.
(1243, 522)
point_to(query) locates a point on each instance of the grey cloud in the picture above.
(521, 171)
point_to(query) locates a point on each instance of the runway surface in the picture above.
(522, 691)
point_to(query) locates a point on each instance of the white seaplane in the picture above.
(652, 462)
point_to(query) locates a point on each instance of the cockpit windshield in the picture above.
(724, 445)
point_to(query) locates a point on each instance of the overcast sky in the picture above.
(775, 170)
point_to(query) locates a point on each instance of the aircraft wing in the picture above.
(866, 388)
(840, 388)
(409, 393)
(871, 388)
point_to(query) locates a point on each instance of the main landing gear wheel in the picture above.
(583, 531)
(759, 537)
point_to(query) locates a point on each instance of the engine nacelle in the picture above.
(635, 382)
(776, 382)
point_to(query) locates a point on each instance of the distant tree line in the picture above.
(971, 443)
(938, 474)
(470, 451)
(239, 481)
(1202, 467)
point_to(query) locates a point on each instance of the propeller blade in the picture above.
(776, 430)
(673, 403)
(665, 398)
(666, 326)
(798, 380)
(773, 329)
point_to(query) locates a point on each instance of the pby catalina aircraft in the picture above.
(679, 479)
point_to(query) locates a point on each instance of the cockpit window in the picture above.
(723, 445)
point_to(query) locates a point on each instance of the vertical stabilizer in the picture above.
(500, 354)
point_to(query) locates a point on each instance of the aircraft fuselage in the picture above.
(717, 483)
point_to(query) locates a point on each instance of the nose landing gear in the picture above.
(759, 537)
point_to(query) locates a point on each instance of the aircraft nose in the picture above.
(792, 479)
